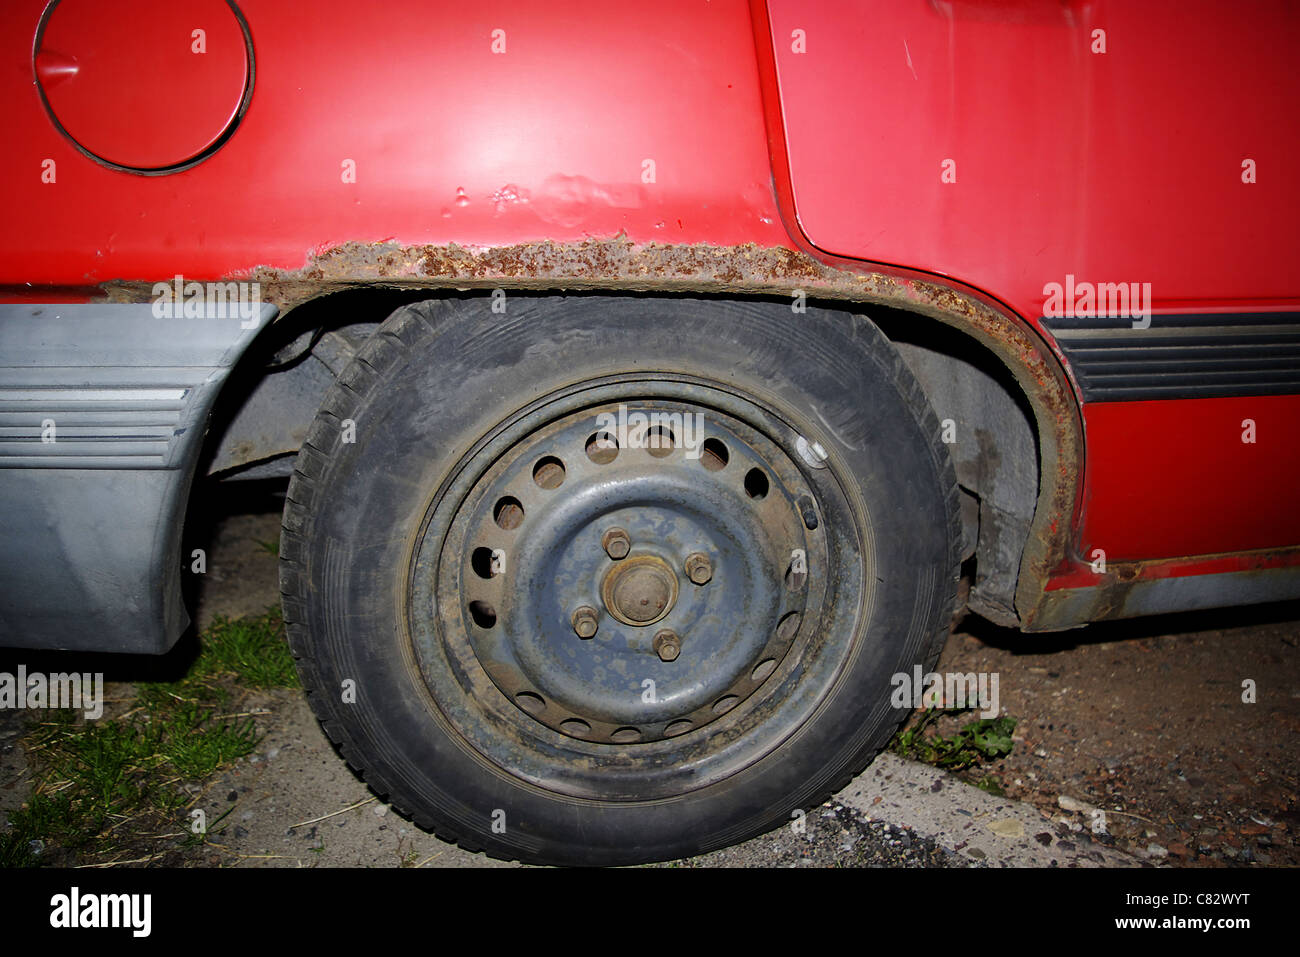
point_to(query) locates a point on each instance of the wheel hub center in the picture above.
(640, 590)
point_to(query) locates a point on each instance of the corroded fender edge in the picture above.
(618, 264)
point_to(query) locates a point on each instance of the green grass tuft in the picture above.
(109, 787)
(252, 650)
(976, 742)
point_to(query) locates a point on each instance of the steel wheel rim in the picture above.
(532, 712)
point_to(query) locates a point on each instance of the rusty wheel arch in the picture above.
(778, 273)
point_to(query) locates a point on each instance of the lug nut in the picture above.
(585, 621)
(616, 543)
(667, 645)
(698, 568)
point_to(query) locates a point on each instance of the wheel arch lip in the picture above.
(775, 274)
(748, 271)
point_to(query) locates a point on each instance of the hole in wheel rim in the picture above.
(756, 484)
(508, 513)
(602, 447)
(660, 441)
(714, 455)
(483, 614)
(763, 669)
(725, 703)
(548, 473)
(481, 561)
(532, 703)
(575, 727)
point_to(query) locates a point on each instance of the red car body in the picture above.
(952, 158)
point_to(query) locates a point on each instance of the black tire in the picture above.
(442, 404)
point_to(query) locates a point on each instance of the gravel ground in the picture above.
(1143, 720)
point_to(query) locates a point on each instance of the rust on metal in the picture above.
(1137, 588)
(616, 543)
(586, 621)
(667, 645)
(640, 590)
(698, 568)
(619, 264)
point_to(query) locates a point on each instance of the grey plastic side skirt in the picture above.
(103, 410)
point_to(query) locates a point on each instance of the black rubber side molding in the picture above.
(1201, 356)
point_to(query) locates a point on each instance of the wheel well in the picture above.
(272, 396)
(990, 429)
(988, 425)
